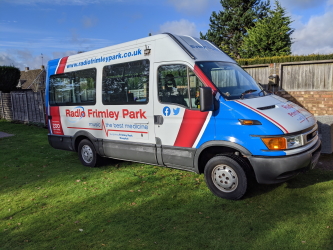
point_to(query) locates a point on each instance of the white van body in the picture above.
(179, 102)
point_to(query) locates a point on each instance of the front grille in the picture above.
(310, 136)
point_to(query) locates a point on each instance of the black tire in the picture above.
(226, 178)
(87, 153)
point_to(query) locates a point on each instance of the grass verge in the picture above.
(50, 201)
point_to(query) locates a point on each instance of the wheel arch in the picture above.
(213, 148)
(81, 135)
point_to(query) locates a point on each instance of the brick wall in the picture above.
(319, 103)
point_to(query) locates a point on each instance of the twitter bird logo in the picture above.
(176, 111)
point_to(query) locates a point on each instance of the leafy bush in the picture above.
(283, 59)
(9, 77)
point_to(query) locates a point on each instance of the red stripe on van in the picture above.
(190, 128)
(62, 65)
(204, 78)
(56, 126)
(267, 117)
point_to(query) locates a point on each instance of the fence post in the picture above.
(26, 108)
(2, 108)
(11, 100)
(42, 107)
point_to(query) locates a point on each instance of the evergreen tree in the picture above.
(270, 36)
(229, 26)
(9, 77)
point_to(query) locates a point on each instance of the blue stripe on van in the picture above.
(51, 69)
(228, 128)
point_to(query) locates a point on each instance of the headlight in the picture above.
(282, 143)
(294, 141)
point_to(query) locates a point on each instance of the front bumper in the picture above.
(270, 170)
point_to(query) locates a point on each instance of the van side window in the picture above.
(179, 85)
(126, 83)
(78, 87)
(173, 84)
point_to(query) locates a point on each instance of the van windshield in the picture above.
(232, 81)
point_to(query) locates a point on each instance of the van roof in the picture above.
(201, 49)
(197, 49)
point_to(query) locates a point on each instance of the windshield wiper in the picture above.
(247, 92)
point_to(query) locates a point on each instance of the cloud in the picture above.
(89, 22)
(193, 6)
(302, 4)
(316, 36)
(19, 53)
(7, 59)
(22, 59)
(182, 27)
(9, 29)
(25, 58)
(57, 44)
(59, 2)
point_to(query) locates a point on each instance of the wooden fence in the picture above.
(316, 75)
(296, 76)
(26, 106)
(260, 73)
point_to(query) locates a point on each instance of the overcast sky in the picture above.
(35, 31)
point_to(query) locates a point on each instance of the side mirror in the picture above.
(206, 99)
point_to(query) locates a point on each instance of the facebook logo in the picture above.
(166, 111)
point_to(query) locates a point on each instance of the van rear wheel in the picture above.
(87, 153)
(226, 178)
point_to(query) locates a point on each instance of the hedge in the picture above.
(9, 77)
(283, 59)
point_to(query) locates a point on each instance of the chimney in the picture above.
(26, 69)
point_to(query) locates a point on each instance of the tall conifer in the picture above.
(270, 36)
(229, 26)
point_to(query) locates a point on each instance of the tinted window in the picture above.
(73, 88)
(173, 84)
(126, 83)
(178, 84)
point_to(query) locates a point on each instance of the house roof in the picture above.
(29, 76)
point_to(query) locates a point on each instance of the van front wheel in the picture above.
(226, 178)
(87, 153)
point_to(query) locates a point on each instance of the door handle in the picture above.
(158, 119)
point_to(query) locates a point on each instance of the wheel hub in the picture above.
(225, 178)
(87, 154)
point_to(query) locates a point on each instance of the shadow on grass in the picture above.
(302, 180)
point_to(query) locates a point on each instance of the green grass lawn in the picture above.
(48, 200)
